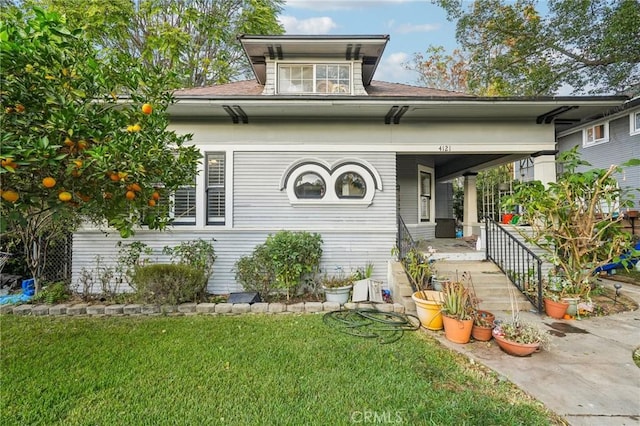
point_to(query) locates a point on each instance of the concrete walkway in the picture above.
(588, 376)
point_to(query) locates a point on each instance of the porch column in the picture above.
(470, 215)
(544, 167)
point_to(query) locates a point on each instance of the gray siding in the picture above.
(259, 202)
(620, 148)
(348, 250)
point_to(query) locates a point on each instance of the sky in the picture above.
(412, 25)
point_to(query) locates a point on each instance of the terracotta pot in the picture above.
(555, 309)
(429, 307)
(515, 348)
(457, 331)
(482, 334)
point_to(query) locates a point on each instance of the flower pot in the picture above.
(437, 283)
(515, 348)
(457, 331)
(428, 307)
(483, 333)
(555, 309)
(506, 218)
(480, 333)
(572, 309)
(337, 294)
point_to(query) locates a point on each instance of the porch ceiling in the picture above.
(563, 112)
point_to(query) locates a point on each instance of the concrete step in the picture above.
(491, 286)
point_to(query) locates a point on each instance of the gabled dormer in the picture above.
(310, 65)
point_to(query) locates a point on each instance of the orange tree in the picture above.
(84, 137)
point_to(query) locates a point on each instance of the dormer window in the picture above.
(314, 78)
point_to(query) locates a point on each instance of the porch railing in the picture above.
(516, 260)
(404, 239)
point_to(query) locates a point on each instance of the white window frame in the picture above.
(585, 135)
(432, 198)
(633, 128)
(185, 220)
(329, 173)
(338, 89)
(224, 191)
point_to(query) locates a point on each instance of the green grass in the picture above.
(240, 370)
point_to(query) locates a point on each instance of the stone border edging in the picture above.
(86, 309)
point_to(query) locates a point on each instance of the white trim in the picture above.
(329, 173)
(588, 143)
(313, 64)
(633, 130)
(432, 195)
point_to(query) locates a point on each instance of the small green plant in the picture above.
(169, 283)
(335, 281)
(362, 273)
(456, 301)
(419, 268)
(53, 293)
(198, 253)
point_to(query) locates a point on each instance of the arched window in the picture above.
(350, 185)
(309, 185)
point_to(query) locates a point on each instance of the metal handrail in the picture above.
(404, 240)
(522, 266)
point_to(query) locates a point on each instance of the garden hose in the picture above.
(387, 327)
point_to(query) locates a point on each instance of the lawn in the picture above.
(240, 370)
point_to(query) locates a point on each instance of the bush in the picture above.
(256, 272)
(282, 262)
(169, 283)
(199, 254)
(294, 255)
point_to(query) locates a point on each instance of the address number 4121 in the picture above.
(444, 148)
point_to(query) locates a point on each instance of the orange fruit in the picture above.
(152, 202)
(147, 109)
(65, 196)
(155, 195)
(136, 128)
(130, 195)
(7, 162)
(134, 187)
(68, 142)
(20, 108)
(48, 182)
(78, 163)
(82, 144)
(10, 196)
(114, 177)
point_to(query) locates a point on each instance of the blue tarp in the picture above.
(618, 265)
(14, 299)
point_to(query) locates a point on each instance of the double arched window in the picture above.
(314, 181)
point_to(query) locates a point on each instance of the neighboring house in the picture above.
(611, 139)
(315, 144)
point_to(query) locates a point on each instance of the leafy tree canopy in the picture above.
(83, 136)
(195, 39)
(592, 46)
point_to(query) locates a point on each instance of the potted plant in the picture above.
(337, 288)
(517, 337)
(552, 294)
(483, 323)
(457, 312)
(419, 267)
(576, 221)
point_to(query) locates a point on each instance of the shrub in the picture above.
(293, 255)
(256, 272)
(199, 254)
(169, 283)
